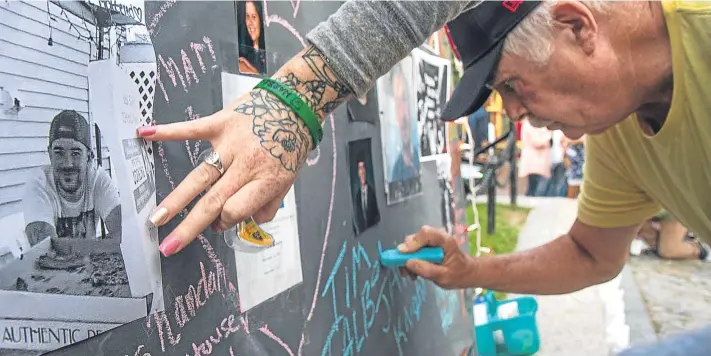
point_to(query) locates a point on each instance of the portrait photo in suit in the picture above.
(365, 202)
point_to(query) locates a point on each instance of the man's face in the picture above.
(69, 159)
(402, 109)
(361, 172)
(254, 27)
(581, 89)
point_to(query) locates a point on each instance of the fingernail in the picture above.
(169, 246)
(402, 247)
(145, 131)
(158, 216)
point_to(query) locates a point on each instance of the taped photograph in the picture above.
(251, 33)
(401, 146)
(431, 80)
(76, 256)
(365, 202)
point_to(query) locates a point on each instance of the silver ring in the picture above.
(213, 159)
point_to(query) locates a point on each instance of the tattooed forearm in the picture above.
(281, 132)
(312, 79)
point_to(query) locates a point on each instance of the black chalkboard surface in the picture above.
(346, 303)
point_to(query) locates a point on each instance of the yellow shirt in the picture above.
(629, 175)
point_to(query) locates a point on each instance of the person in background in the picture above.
(556, 185)
(575, 155)
(479, 124)
(670, 239)
(535, 156)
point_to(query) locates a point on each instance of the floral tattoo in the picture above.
(282, 133)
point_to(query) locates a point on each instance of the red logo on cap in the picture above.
(512, 5)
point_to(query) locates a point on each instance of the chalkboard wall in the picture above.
(346, 304)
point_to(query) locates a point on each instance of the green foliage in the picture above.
(509, 221)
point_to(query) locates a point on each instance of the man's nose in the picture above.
(514, 109)
(66, 162)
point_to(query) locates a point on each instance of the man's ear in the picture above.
(577, 18)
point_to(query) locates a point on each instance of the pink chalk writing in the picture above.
(174, 73)
(196, 150)
(171, 73)
(198, 47)
(158, 15)
(226, 328)
(276, 19)
(164, 163)
(245, 323)
(186, 306)
(265, 330)
(188, 67)
(208, 42)
(326, 235)
(161, 320)
(313, 160)
(294, 5)
(138, 352)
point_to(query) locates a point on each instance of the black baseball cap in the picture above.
(477, 36)
(70, 124)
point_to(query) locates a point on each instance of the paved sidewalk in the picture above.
(589, 322)
(570, 324)
(677, 293)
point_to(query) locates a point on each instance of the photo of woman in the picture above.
(252, 54)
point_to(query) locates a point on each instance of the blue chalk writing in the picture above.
(371, 289)
(447, 304)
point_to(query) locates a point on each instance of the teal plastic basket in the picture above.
(519, 333)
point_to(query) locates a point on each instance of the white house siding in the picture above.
(47, 79)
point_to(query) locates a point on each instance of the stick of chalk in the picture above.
(393, 258)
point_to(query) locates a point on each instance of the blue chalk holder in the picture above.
(393, 258)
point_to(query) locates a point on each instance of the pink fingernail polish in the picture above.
(169, 246)
(144, 131)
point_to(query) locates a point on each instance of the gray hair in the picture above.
(532, 38)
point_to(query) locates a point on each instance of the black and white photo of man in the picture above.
(66, 198)
(367, 213)
(365, 204)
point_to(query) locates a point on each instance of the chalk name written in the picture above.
(188, 75)
(355, 319)
(226, 328)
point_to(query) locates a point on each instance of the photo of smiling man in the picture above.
(68, 197)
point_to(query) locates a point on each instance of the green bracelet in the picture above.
(292, 100)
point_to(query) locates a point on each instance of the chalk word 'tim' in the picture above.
(355, 310)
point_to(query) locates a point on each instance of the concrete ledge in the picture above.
(641, 329)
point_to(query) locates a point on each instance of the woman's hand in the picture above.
(456, 268)
(261, 144)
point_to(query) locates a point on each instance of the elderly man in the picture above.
(633, 75)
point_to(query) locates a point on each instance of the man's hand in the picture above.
(37, 231)
(454, 271)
